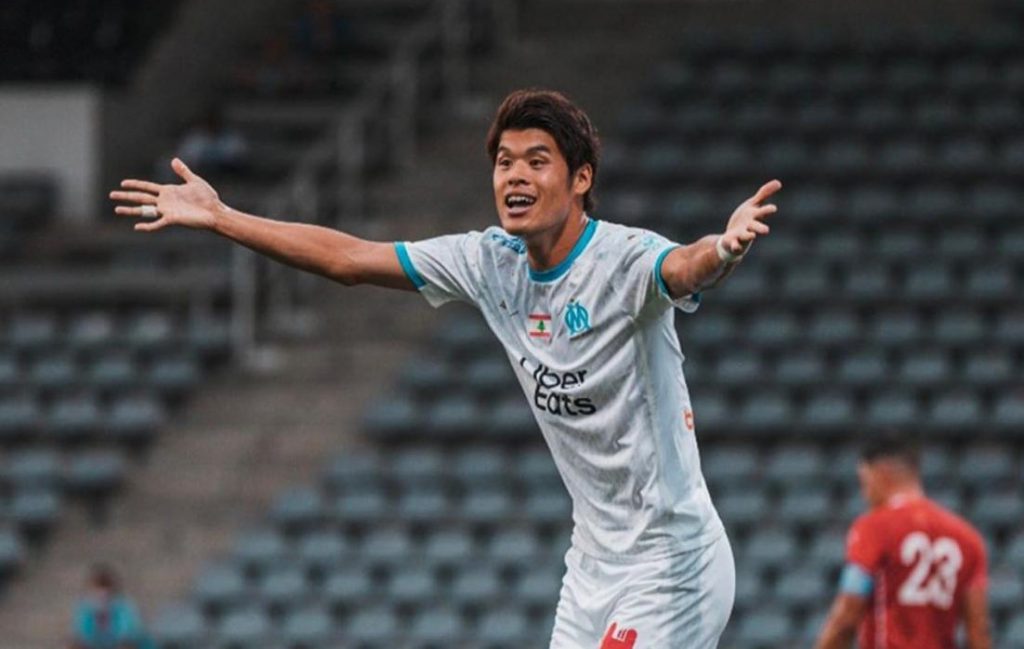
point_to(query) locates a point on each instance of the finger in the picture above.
(766, 210)
(124, 210)
(758, 227)
(143, 185)
(746, 236)
(150, 226)
(182, 170)
(135, 197)
(766, 190)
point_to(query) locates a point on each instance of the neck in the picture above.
(549, 248)
(904, 492)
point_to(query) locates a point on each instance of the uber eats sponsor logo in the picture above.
(548, 395)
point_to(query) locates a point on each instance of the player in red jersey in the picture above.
(914, 570)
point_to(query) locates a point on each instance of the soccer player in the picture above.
(914, 570)
(583, 309)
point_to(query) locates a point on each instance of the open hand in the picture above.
(747, 222)
(193, 204)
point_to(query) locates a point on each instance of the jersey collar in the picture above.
(562, 268)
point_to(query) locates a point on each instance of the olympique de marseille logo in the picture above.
(576, 318)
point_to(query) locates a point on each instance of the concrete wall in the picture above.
(55, 129)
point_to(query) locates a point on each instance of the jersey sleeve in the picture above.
(443, 269)
(864, 545)
(644, 254)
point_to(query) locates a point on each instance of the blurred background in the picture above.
(270, 461)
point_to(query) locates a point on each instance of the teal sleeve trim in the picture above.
(856, 581)
(406, 262)
(552, 274)
(657, 270)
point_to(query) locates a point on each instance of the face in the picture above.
(532, 189)
(870, 483)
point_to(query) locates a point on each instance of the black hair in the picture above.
(553, 113)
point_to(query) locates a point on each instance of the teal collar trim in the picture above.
(552, 274)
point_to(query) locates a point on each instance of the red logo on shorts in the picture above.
(618, 639)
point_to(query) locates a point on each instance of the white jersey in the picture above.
(593, 345)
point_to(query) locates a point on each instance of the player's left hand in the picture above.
(747, 222)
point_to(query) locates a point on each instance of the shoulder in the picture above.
(867, 526)
(960, 527)
(630, 242)
(497, 241)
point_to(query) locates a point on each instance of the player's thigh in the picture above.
(686, 603)
(582, 604)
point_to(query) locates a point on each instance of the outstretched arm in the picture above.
(706, 262)
(976, 619)
(195, 204)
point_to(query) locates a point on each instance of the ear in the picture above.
(583, 179)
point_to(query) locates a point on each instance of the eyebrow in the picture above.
(540, 148)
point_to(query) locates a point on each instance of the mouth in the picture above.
(519, 204)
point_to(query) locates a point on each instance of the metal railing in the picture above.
(269, 295)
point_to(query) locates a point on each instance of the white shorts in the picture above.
(679, 602)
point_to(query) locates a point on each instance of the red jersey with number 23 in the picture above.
(922, 559)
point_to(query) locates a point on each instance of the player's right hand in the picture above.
(193, 204)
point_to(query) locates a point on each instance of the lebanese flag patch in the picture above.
(539, 325)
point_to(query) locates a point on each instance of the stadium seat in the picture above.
(220, 586)
(352, 469)
(35, 511)
(805, 508)
(95, 476)
(321, 552)
(424, 505)
(793, 465)
(411, 585)
(30, 469)
(538, 587)
(476, 585)
(55, 373)
(113, 372)
(741, 506)
(307, 627)
(418, 466)
(958, 412)
(20, 418)
(393, 417)
(297, 510)
(348, 586)
(504, 627)
(547, 506)
(259, 550)
(360, 507)
(478, 466)
(486, 506)
(893, 409)
(74, 419)
(448, 547)
(863, 368)
(373, 625)
(997, 510)
(801, 589)
(243, 628)
(91, 331)
(180, 626)
(768, 627)
(385, 547)
(281, 587)
(828, 413)
(437, 626)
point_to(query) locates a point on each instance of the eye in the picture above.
(504, 163)
(537, 163)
